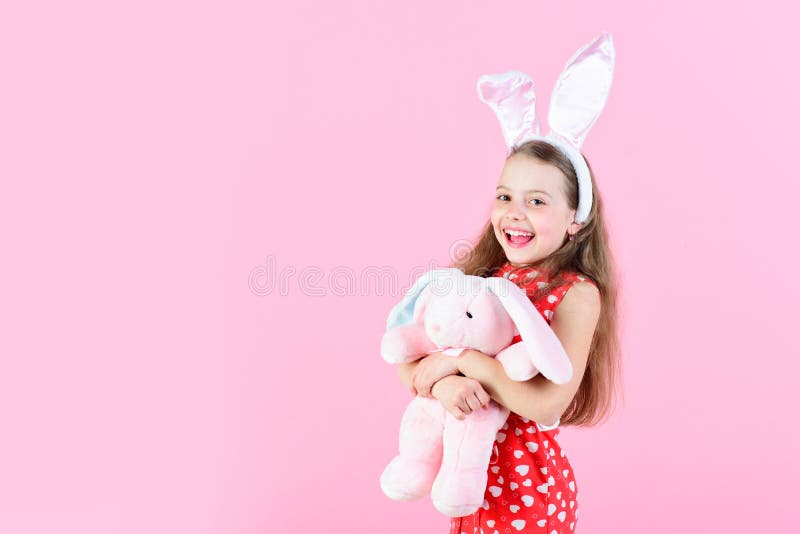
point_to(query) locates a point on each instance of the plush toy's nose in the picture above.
(435, 327)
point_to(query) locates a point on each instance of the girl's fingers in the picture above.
(424, 390)
(483, 397)
(465, 407)
(473, 402)
(457, 413)
(415, 383)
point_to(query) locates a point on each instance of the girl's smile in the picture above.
(531, 216)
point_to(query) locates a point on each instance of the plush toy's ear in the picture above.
(403, 311)
(546, 351)
(421, 304)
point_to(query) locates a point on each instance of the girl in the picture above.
(566, 269)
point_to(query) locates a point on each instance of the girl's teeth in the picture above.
(518, 238)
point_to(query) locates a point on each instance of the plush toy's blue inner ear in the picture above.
(403, 312)
(401, 315)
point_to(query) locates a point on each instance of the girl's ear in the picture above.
(545, 349)
(574, 228)
(404, 312)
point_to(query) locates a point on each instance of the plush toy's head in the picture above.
(462, 311)
(447, 309)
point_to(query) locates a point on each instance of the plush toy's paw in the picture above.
(517, 363)
(403, 480)
(456, 510)
(460, 493)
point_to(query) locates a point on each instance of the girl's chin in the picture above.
(521, 257)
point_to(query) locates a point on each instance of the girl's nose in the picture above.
(515, 211)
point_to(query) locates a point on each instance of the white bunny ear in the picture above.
(513, 98)
(582, 90)
(403, 312)
(545, 349)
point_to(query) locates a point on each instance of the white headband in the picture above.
(577, 100)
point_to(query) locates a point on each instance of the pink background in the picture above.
(154, 155)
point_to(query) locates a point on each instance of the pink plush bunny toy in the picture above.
(446, 310)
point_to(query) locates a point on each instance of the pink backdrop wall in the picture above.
(157, 156)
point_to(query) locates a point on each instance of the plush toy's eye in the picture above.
(469, 315)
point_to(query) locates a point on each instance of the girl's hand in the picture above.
(460, 395)
(431, 369)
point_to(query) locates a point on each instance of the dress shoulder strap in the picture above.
(547, 303)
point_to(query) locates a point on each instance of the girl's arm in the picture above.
(405, 370)
(538, 399)
(459, 395)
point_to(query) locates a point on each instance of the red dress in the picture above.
(531, 487)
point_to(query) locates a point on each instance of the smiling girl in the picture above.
(547, 234)
(566, 269)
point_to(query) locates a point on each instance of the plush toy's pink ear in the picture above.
(421, 304)
(546, 351)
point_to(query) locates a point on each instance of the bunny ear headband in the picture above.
(577, 100)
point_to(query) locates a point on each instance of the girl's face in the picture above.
(531, 216)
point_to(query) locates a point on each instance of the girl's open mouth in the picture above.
(517, 238)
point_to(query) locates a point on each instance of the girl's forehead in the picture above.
(521, 172)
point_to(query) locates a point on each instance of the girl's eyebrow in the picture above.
(529, 191)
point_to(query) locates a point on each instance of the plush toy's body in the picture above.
(439, 454)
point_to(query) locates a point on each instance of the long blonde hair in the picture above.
(589, 254)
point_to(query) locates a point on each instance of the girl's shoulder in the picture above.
(545, 291)
(539, 278)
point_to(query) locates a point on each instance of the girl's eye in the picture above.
(535, 200)
(502, 197)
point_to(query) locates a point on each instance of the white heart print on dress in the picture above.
(513, 485)
(533, 447)
(522, 469)
(551, 508)
(518, 524)
(542, 488)
(495, 491)
(527, 500)
(561, 515)
(495, 469)
(514, 508)
(541, 522)
(518, 454)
